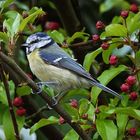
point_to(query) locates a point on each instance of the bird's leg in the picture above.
(41, 84)
(48, 84)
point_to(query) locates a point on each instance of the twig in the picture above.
(5, 82)
(43, 94)
(36, 113)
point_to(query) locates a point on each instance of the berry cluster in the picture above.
(18, 102)
(127, 86)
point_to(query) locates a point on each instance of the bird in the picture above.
(55, 68)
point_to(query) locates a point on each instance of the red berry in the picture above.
(21, 111)
(131, 80)
(52, 25)
(133, 96)
(95, 37)
(100, 25)
(74, 103)
(18, 101)
(85, 116)
(113, 59)
(97, 111)
(105, 45)
(124, 14)
(61, 120)
(134, 8)
(132, 131)
(125, 87)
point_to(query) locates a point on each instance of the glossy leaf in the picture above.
(134, 23)
(43, 122)
(8, 126)
(107, 129)
(129, 111)
(82, 35)
(83, 106)
(105, 78)
(116, 30)
(72, 111)
(71, 135)
(24, 90)
(29, 18)
(90, 57)
(3, 37)
(16, 24)
(57, 36)
(122, 120)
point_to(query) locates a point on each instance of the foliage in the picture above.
(101, 115)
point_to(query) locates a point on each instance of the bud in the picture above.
(113, 59)
(52, 25)
(74, 103)
(100, 25)
(132, 131)
(131, 80)
(21, 111)
(95, 38)
(85, 116)
(61, 120)
(133, 96)
(97, 111)
(125, 87)
(124, 14)
(18, 101)
(134, 8)
(105, 45)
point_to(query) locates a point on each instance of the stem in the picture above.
(36, 113)
(5, 82)
(45, 96)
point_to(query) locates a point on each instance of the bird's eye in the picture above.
(34, 41)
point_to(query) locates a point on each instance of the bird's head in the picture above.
(37, 40)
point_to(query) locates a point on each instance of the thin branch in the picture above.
(5, 82)
(43, 94)
(38, 112)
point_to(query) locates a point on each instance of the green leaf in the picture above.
(133, 23)
(43, 122)
(3, 98)
(72, 111)
(107, 129)
(82, 35)
(109, 4)
(24, 90)
(3, 37)
(71, 135)
(116, 30)
(5, 3)
(8, 24)
(29, 18)
(105, 78)
(122, 120)
(83, 106)
(8, 126)
(137, 62)
(90, 57)
(16, 24)
(57, 36)
(129, 111)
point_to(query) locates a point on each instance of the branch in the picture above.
(43, 94)
(5, 82)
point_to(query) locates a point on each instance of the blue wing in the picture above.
(62, 61)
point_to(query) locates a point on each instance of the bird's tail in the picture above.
(104, 88)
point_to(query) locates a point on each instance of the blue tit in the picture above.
(52, 65)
